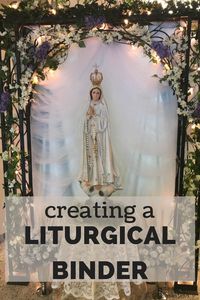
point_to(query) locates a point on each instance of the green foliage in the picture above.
(52, 63)
(81, 44)
(29, 12)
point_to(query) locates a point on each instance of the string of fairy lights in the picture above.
(170, 6)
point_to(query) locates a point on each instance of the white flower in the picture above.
(24, 80)
(5, 156)
(34, 4)
(91, 33)
(179, 112)
(12, 130)
(14, 148)
(58, 27)
(11, 183)
(11, 86)
(20, 44)
(117, 35)
(72, 29)
(109, 38)
(198, 146)
(3, 33)
(67, 40)
(183, 103)
(4, 68)
(178, 93)
(185, 112)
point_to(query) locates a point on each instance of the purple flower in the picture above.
(196, 112)
(91, 21)
(162, 50)
(42, 51)
(4, 101)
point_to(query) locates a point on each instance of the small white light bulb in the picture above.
(14, 5)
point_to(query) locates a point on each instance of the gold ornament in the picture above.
(96, 77)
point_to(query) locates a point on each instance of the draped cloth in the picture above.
(142, 115)
(143, 129)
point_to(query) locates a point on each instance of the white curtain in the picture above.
(142, 116)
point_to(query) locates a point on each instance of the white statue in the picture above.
(99, 174)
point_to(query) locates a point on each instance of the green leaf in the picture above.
(9, 53)
(52, 63)
(2, 75)
(41, 74)
(81, 44)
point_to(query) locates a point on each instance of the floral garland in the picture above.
(45, 48)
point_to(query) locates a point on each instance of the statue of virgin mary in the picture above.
(99, 173)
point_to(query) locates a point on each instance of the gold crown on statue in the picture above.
(96, 77)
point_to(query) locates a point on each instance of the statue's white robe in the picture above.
(98, 164)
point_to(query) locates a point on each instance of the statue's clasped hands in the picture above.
(91, 112)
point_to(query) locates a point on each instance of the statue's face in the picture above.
(96, 94)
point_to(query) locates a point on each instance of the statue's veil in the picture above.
(102, 100)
